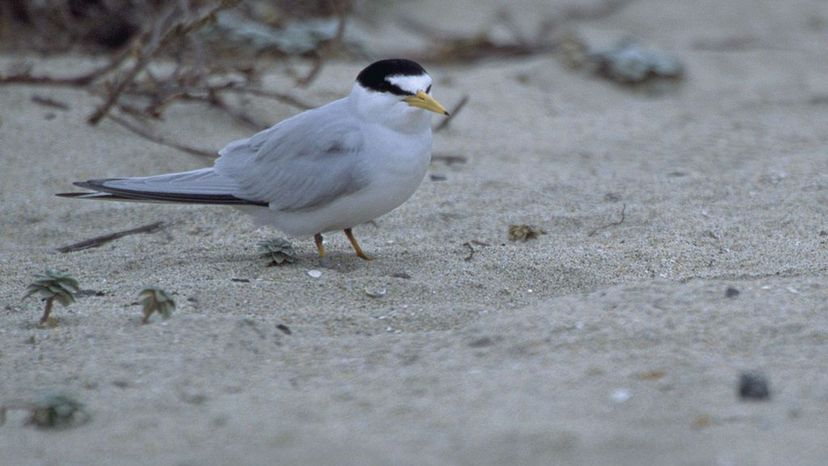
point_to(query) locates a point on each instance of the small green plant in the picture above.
(52, 286)
(53, 411)
(57, 411)
(278, 251)
(156, 300)
(524, 232)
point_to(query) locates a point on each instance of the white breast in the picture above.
(395, 165)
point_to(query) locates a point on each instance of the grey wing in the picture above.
(301, 163)
(202, 186)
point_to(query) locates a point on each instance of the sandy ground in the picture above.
(618, 347)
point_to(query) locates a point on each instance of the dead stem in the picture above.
(325, 51)
(159, 38)
(47, 310)
(452, 113)
(162, 140)
(103, 239)
(611, 224)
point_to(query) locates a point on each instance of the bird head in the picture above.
(396, 92)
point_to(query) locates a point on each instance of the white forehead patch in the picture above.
(410, 84)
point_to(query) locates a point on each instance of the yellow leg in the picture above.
(317, 238)
(355, 245)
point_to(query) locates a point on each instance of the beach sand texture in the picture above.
(600, 342)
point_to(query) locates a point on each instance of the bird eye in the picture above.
(428, 89)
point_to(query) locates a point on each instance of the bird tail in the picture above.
(203, 186)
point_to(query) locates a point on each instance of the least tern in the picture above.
(326, 169)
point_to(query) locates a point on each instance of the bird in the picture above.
(325, 169)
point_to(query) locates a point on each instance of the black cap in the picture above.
(375, 75)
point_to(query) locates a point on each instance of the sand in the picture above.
(584, 346)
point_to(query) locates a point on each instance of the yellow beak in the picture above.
(425, 101)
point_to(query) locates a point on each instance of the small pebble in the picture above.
(753, 386)
(314, 273)
(376, 292)
(701, 422)
(481, 342)
(620, 395)
(731, 292)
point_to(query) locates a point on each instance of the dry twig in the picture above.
(101, 240)
(131, 83)
(49, 102)
(25, 77)
(322, 55)
(468, 245)
(162, 140)
(449, 159)
(452, 113)
(157, 40)
(611, 224)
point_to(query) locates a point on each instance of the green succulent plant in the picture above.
(278, 251)
(52, 286)
(156, 300)
(52, 411)
(57, 411)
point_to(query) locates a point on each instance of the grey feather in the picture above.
(201, 186)
(202, 181)
(322, 142)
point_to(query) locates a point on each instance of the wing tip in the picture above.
(96, 185)
(99, 191)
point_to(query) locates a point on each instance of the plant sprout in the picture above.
(57, 411)
(278, 250)
(52, 286)
(524, 232)
(156, 300)
(52, 411)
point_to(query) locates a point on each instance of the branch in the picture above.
(101, 240)
(453, 113)
(611, 224)
(162, 140)
(175, 31)
(77, 81)
(278, 96)
(322, 55)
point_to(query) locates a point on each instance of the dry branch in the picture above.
(325, 50)
(49, 102)
(130, 82)
(453, 113)
(103, 239)
(277, 96)
(611, 224)
(145, 133)
(156, 41)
